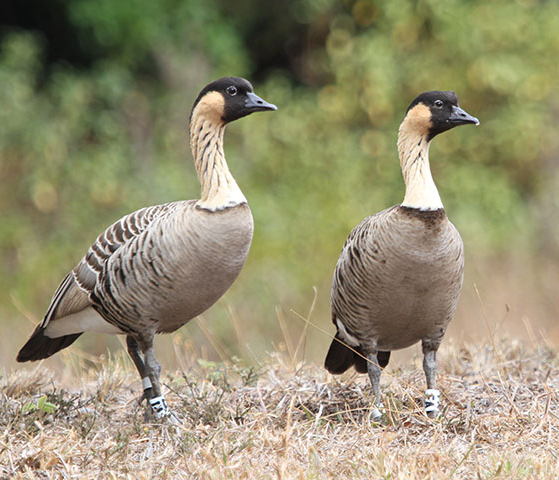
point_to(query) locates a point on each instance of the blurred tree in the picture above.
(96, 94)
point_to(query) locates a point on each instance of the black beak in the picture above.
(460, 117)
(256, 104)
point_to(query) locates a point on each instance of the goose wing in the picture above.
(73, 309)
(74, 294)
(350, 290)
(351, 280)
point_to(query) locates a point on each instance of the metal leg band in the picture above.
(146, 383)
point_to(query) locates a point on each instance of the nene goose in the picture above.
(154, 270)
(400, 272)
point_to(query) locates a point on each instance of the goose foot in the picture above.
(432, 396)
(161, 411)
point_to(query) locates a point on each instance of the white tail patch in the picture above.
(88, 320)
(346, 337)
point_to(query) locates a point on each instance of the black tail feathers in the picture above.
(340, 358)
(383, 358)
(40, 346)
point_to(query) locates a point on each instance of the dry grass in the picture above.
(288, 420)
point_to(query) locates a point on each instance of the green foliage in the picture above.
(139, 32)
(79, 148)
(42, 406)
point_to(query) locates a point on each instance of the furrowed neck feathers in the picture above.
(413, 149)
(219, 188)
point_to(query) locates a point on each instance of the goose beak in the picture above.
(256, 104)
(461, 117)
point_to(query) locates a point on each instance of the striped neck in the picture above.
(219, 190)
(421, 191)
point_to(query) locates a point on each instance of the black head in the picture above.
(230, 98)
(435, 112)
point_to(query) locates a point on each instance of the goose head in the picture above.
(435, 112)
(228, 99)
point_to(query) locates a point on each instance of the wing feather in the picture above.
(73, 294)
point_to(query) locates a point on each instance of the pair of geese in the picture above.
(397, 280)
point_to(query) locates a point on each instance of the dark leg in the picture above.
(430, 368)
(374, 371)
(141, 352)
(158, 404)
(153, 369)
(136, 356)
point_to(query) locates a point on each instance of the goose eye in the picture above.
(438, 103)
(232, 90)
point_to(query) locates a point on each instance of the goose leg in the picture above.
(143, 356)
(158, 404)
(432, 395)
(136, 356)
(374, 371)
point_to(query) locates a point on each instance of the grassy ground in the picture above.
(287, 419)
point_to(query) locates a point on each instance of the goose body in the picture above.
(157, 268)
(400, 272)
(170, 262)
(406, 269)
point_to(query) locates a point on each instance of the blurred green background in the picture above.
(94, 104)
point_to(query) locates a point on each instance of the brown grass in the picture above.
(284, 419)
